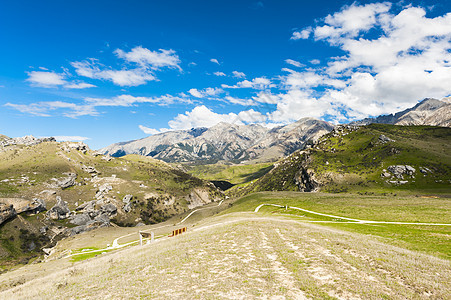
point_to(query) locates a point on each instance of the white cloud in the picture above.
(150, 59)
(129, 100)
(244, 102)
(315, 61)
(390, 61)
(351, 21)
(133, 77)
(259, 83)
(303, 34)
(146, 63)
(208, 92)
(50, 79)
(215, 61)
(238, 74)
(89, 105)
(46, 79)
(201, 116)
(294, 63)
(43, 109)
(79, 85)
(152, 131)
(70, 138)
(219, 74)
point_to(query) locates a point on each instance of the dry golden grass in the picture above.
(244, 256)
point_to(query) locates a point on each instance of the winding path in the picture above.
(348, 219)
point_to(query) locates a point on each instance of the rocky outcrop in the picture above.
(7, 212)
(127, 203)
(399, 171)
(24, 205)
(306, 181)
(28, 140)
(59, 211)
(65, 182)
(197, 198)
(79, 146)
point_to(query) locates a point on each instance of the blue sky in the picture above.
(109, 71)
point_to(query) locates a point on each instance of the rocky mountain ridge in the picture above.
(238, 143)
(225, 142)
(430, 111)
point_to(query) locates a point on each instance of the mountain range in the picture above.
(224, 141)
(238, 143)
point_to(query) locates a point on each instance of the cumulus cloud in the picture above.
(259, 83)
(144, 64)
(215, 61)
(200, 116)
(152, 131)
(303, 34)
(208, 92)
(46, 79)
(49, 79)
(133, 77)
(150, 59)
(219, 74)
(238, 74)
(391, 60)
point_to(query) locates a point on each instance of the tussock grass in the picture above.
(429, 239)
(255, 257)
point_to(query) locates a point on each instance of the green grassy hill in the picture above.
(364, 160)
(158, 191)
(235, 174)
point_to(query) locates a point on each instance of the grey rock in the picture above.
(384, 139)
(127, 207)
(103, 218)
(89, 169)
(109, 209)
(65, 182)
(103, 189)
(127, 198)
(80, 219)
(425, 170)
(7, 212)
(59, 211)
(400, 170)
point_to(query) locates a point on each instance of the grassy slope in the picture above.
(42, 162)
(429, 239)
(354, 161)
(235, 174)
(243, 258)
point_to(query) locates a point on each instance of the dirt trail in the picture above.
(349, 219)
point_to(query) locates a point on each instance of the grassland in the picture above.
(434, 240)
(242, 256)
(235, 174)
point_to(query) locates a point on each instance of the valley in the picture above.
(358, 212)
